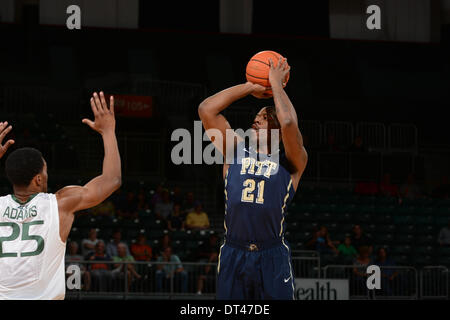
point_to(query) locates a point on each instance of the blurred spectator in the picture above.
(387, 188)
(443, 189)
(157, 197)
(140, 250)
(175, 221)
(88, 245)
(118, 198)
(112, 246)
(360, 271)
(189, 203)
(197, 219)
(169, 266)
(388, 274)
(142, 203)
(165, 242)
(177, 197)
(207, 253)
(366, 188)
(101, 271)
(128, 208)
(444, 236)
(73, 258)
(360, 239)
(165, 207)
(357, 145)
(209, 249)
(321, 242)
(118, 272)
(410, 189)
(104, 209)
(347, 252)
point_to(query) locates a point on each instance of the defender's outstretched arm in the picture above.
(75, 198)
(292, 138)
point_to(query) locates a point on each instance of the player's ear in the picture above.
(38, 180)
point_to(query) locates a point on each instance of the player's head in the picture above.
(26, 168)
(265, 121)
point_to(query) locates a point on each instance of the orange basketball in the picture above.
(258, 69)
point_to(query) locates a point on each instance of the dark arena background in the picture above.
(371, 105)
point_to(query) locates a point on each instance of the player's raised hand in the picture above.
(4, 130)
(258, 91)
(278, 74)
(104, 120)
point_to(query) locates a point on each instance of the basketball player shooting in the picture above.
(255, 259)
(34, 224)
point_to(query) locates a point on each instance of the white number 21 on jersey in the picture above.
(249, 188)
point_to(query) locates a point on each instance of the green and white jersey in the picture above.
(31, 250)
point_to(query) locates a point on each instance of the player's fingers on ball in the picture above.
(280, 62)
(270, 62)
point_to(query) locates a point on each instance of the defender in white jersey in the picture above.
(34, 224)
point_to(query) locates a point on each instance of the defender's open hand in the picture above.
(104, 117)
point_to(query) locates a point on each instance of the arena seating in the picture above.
(408, 230)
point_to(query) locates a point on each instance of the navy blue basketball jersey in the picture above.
(258, 190)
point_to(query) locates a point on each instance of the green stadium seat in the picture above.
(343, 217)
(323, 217)
(362, 218)
(386, 201)
(382, 218)
(332, 227)
(155, 233)
(179, 235)
(404, 210)
(424, 250)
(384, 209)
(339, 236)
(191, 244)
(402, 259)
(403, 238)
(424, 229)
(310, 226)
(383, 238)
(441, 221)
(302, 217)
(443, 251)
(443, 260)
(403, 220)
(401, 249)
(421, 260)
(426, 239)
(406, 229)
(424, 220)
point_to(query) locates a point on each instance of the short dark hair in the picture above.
(22, 165)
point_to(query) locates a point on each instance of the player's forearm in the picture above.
(111, 178)
(286, 113)
(112, 171)
(218, 102)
